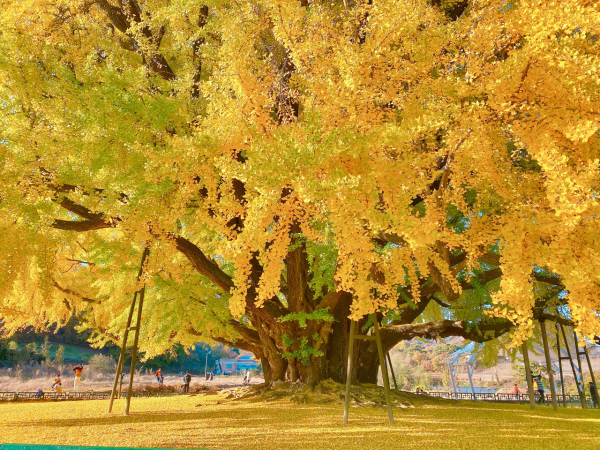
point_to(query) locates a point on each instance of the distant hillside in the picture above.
(64, 335)
(26, 348)
(424, 364)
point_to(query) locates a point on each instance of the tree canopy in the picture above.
(293, 163)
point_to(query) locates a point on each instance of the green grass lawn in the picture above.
(199, 422)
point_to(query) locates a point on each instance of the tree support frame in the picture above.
(386, 382)
(119, 373)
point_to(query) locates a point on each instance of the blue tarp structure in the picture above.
(468, 353)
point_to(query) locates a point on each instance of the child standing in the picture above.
(78, 370)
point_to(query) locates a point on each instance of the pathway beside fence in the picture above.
(15, 396)
(571, 400)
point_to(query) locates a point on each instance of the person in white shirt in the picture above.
(77, 370)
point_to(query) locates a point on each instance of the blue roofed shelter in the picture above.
(467, 354)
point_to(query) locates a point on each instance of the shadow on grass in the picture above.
(282, 425)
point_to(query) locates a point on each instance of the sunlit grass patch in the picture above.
(213, 423)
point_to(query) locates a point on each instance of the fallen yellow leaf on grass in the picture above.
(179, 422)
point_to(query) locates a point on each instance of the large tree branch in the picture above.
(482, 278)
(122, 19)
(234, 343)
(81, 211)
(392, 334)
(408, 314)
(482, 332)
(248, 334)
(202, 19)
(490, 258)
(81, 225)
(73, 293)
(548, 279)
(271, 309)
(203, 265)
(331, 300)
(95, 221)
(557, 319)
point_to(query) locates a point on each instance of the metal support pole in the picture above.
(384, 373)
(392, 370)
(120, 385)
(136, 340)
(560, 368)
(206, 363)
(451, 370)
(528, 374)
(349, 371)
(577, 383)
(549, 365)
(122, 355)
(467, 364)
(121, 363)
(583, 399)
(587, 357)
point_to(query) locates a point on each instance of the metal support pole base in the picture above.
(384, 372)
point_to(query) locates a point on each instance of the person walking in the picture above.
(517, 391)
(247, 376)
(540, 389)
(78, 370)
(159, 376)
(594, 394)
(186, 382)
(57, 385)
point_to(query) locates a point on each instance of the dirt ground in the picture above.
(98, 384)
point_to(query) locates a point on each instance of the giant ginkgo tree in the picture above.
(291, 164)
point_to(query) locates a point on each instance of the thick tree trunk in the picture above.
(272, 354)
